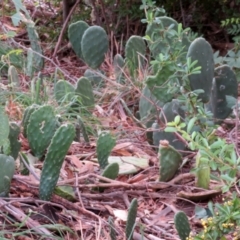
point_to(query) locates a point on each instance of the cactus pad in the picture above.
(40, 130)
(75, 34)
(131, 219)
(63, 91)
(56, 153)
(201, 51)
(93, 76)
(27, 113)
(105, 144)
(13, 78)
(203, 172)
(94, 46)
(135, 51)
(118, 65)
(15, 145)
(6, 174)
(169, 161)
(85, 92)
(224, 85)
(182, 225)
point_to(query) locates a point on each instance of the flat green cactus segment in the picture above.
(201, 51)
(158, 84)
(65, 192)
(4, 130)
(56, 153)
(40, 130)
(105, 144)
(131, 219)
(182, 225)
(118, 66)
(63, 91)
(161, 37)
(26, 116)
(169, 161)
(135, 51)
(6, 174)
(85, 92)
(83, 129)
(159, 135)
(13, 78)
(224, 86)
(112, 228)
(111, 172)
(75, 34)
(203, 172)
(38, 61)
(93, 76)
(15, 145)
(94, 46)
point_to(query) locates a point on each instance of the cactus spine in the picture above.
(182, 225)
(56, 152)
(131, 219)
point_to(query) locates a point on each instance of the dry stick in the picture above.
(63, 29)
(22, 217)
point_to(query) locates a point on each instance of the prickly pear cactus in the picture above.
(201, 51)
(40, 130)
(85, 92)
(15, 145)
(4, 131)
(56, 153)
(131, 219)
(26, 116)
(63, 91)
(118, 65)
(203, 172)
(105, 144)
(111, 172)
(38, 62)
(182, 225)
(94, 46)
(93, 76)
(112, 229)
(82, 129)
(13, 78)
(6, 174)
(75, 34)
(169, 161)
(135, 52)
(224, 85)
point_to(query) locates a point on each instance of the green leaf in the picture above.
(191, 124)
(170, 129)
(177, 119)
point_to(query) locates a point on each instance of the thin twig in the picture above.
(63, 29)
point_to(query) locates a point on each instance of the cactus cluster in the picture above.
(89, 43)
(50, 139)
(79, 96)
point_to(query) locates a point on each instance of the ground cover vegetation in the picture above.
(126, 131)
